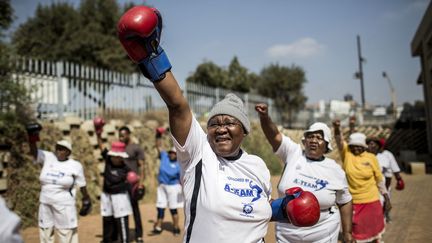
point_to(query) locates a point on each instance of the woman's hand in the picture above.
(387, 203)
(347, 237)
(262, 109)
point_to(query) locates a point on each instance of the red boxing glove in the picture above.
(33, 130)
(400, 184)
(132, 177)
(139, 31)
(160, 131)
(304, 209)
(98, 123)
(136, 25)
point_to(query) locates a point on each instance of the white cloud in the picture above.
(302, 48)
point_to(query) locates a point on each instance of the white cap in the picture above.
(358, 139)
(319, 126)
(65, 144)
(173, 149)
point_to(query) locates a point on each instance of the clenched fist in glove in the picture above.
(300, 208)
(33, 130)
(85, 207)
(139, 31)
(400, 184)
(98, 123)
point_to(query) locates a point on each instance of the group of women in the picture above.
(228, 191)
(215, 167)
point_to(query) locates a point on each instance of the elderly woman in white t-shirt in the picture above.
(59, 177)
(309, 169)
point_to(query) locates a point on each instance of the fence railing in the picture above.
(65, 88)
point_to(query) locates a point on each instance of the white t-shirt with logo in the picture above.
(233, 200)
(387, 163)
(58, 179)
(325, 179)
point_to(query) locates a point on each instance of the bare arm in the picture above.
(141, 163)
(274, 137)
(33, 149)
(346, 218)
(338, 135)
(180, 116)
(99, 141)
(85, 195)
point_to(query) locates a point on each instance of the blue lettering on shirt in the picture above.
(254, 191)
(56, 175)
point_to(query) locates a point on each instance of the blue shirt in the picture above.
(169, 171)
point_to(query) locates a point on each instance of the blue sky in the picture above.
(319, 36)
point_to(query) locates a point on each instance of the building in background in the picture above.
(421, 46)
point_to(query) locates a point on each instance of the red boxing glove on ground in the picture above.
(400, 184)
(304, 209)
(98, 123)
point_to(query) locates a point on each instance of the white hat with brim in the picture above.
(65, 144)
(124, 155)
(172, 150)
(357, 139)
(319, 126)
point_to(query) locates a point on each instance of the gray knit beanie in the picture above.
(233, 106)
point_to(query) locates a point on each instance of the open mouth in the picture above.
(222, 139)
(313, 146)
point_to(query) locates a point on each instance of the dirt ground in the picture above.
(411, 218)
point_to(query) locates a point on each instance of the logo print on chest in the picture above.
(253, 191)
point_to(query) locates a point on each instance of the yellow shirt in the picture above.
(363, 174)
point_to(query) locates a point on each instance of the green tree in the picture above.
(48, 35)
(86, 36)
(285, 86)
(14, 113)
(210, 74)
(235, 77)
(238, 77)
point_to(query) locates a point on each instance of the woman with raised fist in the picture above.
(310, 170)
(366, 182)
(59, 176)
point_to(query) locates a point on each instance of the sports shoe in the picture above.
(139, 240)
(176, 231)
(157, 230)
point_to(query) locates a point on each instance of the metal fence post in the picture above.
(60, 105)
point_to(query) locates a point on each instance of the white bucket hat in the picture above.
(358, 139)
(319, 126)
(65, 144)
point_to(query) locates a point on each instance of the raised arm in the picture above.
(99, 123)
(33, 130)
(274, 137)
(139, 31)
(180, 115)
(338, 134)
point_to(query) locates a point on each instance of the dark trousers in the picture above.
(115, 227)
(136, 215)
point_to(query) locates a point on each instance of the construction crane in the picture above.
(392, 93)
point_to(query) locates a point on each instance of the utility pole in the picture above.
(392, 93)
(359, 74)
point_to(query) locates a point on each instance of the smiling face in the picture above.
(315, 145)
(225, 135)
(373, 146)
(62, 153)
(356, 149)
